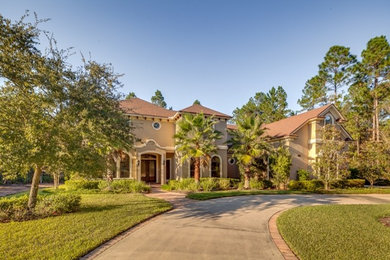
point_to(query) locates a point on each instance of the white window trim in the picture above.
(331, 118)
(220, 164)
(155, 127)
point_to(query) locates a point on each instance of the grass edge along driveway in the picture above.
(231, 193)
(100, 218)
(336, 231)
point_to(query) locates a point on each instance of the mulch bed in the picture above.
(385, 221)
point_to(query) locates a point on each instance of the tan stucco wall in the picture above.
(298, 148)
(232, 169)
(221, 127)
(143, 130)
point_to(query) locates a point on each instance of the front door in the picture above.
(168, 170)
(148, 170)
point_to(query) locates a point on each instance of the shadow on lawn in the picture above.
(144, 205)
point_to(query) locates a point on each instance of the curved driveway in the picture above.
(226, 228)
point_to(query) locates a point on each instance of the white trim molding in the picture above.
(144, 144)
(222, 147)
(220, 165)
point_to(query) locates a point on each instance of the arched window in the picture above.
(328, 120)
(192, 168)
(215, 167)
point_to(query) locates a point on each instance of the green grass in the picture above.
(337, 231)
(231, 193)
(101, 217)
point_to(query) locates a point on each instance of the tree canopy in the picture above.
(270, 107)
(54, 117)
(131, 95)
(158, 99)
(196, 139)
(249, 145)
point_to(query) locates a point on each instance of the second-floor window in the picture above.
(328, 120)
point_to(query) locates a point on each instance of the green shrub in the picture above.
(82, 184)
(295, 185)
(124, 186)
(311, 185)
(57, 204)
(349, 183)
(224, 184)
(268, 184)
(208, 184)
(256, 185)
(185, 184)
(15, 208)
(303, 175)
(235, 183)
(166, 187)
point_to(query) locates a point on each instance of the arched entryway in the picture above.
(215, 167)
(149, 168)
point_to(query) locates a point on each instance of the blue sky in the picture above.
(220, 52)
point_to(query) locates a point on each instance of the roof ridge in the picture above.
(197, 108)
(150, 103)
(322, 108)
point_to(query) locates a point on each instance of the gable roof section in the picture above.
(196, 109)
(137, 106)
(288, 126)
(231, 127)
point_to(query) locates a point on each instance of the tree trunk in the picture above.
(377, 119)
(32, 199)
(326, 183)
(246, 179)
(358, 146)
(56, 180)
(373, 127)
(371, 183)
(197, 170)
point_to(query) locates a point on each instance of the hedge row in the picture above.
(314, 185)
(116, 186)
(210, 184)
(15, 208)
(205, 184)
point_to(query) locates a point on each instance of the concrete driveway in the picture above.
(16, 188)
(226, 228)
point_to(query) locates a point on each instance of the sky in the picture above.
(220, 52)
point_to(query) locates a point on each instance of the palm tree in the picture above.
(196, 138)
(249, 144)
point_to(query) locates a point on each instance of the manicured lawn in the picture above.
(337, 231)
(232, 193)
(101, 217)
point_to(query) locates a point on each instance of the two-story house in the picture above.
(154, 158)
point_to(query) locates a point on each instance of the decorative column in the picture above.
(163, 166)
(118, 167)
(138, 167)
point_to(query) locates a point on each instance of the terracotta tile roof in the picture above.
(288, 126)
(137, 106)
(195, 109)
(231, 127)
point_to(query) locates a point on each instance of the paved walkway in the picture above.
(177, 199)
(226, 228)
(16, 188)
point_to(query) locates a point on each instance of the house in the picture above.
(154, 158)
